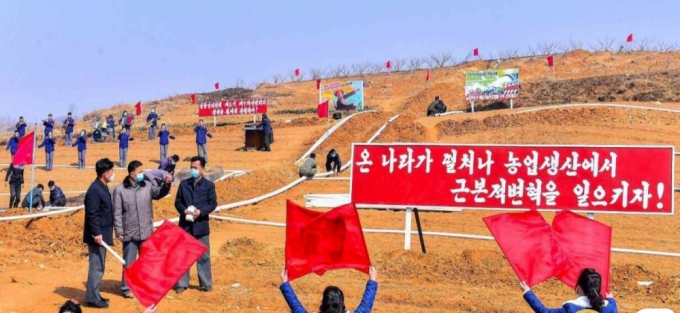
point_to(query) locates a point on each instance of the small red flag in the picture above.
(318, 84)
(165, 257)
(217, 86)
(193, 98)
(25, 150)
(475, 52)
(388, 65)
(630, 38)
(297, 72)
(138, 108)
(322, 109)
(550, 60)
(427, 78)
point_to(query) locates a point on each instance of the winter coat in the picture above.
(203, 197)
(308, 168)
(48, 143)
(15, 175)
(69, 125)
(572, 306)
(81, 142)
(133, 208)
(13, 145)
(266, 125)
(333, 162)
(98, 214)
(201, 133)
(57, 197)
(164, 137)
(295, 306)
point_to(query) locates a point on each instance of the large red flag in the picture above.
(525, 240)
(322, 109)
(427, 78)
(296, 260)
(25, 150)
(388, 65)
(586, 243)
(297, 72)
(550, 60)
(193, 98)
(217, 85)
(138, 108)
(165, 257)
(318, 84)
(475, 52)
(629, 38)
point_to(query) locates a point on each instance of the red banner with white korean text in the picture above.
(614, 179)
(232, 107)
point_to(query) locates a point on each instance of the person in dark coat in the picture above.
(98, 229)
(49, 124)
(123, 144)
(57, 196)
(168, 164)
(164, 140)
(266, 125)
(308, 168)
(333, 299)
(34, 198)
(152, 121)
(69, 124)
(333, 161)
(13, 144)
(21, 127)
(15, 179)
(588, 288)
(436, 107)
(49, 142)
(81, 142)
(201, 141)
(195, 200)
(111, 128)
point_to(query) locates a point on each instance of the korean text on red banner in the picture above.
(232, 107)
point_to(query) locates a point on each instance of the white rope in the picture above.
(68, 166)
(47, 191)
(449, 113)
(332, 178)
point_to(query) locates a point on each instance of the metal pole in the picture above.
(30, 206)
(407, 230)
(511, 104)
(472, 105)
(591, 215)
(420, 230)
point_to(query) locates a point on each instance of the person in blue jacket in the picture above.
(111, 128)
(49, 142)
(164, 140)
(81, 142)
(69, 123)
(153, 120)
(13, 144)
(588, 288)
(266, 125)
(123, 144)
(21, 127)
(333, 300)
(201, 132)
(57, 196)
(49, 124)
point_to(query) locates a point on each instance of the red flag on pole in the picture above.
(217, 86)
(475, 52)
(318, 84)
(138, 108)
(629, 38)
(322, 109)
(297, 72)
(388, 65)
(193, 98)
(165, 257)
(25, 150)
(550, 60)
(427, 78)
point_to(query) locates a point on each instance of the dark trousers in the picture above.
(14, 195)
(95, 273)
(267, 142)
(202, 267)
(130, 251)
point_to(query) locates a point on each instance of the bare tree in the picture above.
(644, 44)
(508, 54)
(294, 77)
(575, 44)
(606, 44)
(316, 73)
(415, 63)
(278, 78)
(547, 48)
(360, 68)
(239, 82)
(340, 71)
(398, 64)
(439, 60)
(664, 47)
(532, 50)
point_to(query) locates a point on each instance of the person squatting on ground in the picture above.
(588, 288)
(123, 144)
(333, 300)
(133, 214)
(13, 144)
(81, 142)
(21, 127)
(437, 106)
(57, 196)
(201, 141)
(168, 164)
(266, 125)
(308, 169)
(15, 179)
(98, 228)
(164, 141)
(34, 198)
(152, 121)
(195, 200)
(333, 161)
(49, 142)
(69, 124)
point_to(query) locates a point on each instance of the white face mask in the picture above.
(113, 176)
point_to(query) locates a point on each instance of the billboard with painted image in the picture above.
(343, 96)
(494, 84)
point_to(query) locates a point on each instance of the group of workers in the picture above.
(14, 179)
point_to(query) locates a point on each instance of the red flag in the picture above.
(165, 257)
(427, 78)
(296, 260)
(475, 52)
(586, 243)
(388, 65)
(138, 108)
(297, 72)
(193, 98)
(25, 150)
(217, 86)
(629, 38)
(322, 109)
(525, 241)
(318, 84)
(550, 61)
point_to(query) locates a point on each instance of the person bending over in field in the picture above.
(333, 300)
(588, 289)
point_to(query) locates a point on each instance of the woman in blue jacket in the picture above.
(81, 142)
(49, 142)
(588, 289)
(333, 300)
(201, 132)
(13, 143)
(164, 139)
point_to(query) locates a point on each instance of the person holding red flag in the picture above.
(333, 300)
(13, 143)
(15, 179)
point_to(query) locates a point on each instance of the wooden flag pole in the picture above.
(30, 206)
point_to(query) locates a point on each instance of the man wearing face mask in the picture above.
(81, 142)
(152, 119)
(168, 164)
(49, 142)
(98, 228)
(15, 179)
(123, 144)
(57, 196)
(133, 213)
(196, 199)
(333, 161)
(13, 144)
(21, 127)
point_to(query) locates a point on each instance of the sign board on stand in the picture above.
(494, 84)
(232, 107)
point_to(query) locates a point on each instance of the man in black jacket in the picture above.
(333, 161)
(15, 178)
(57, 196)
(98, 229)
(196, 199)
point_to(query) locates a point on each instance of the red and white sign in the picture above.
(614, 179)
(232, 107)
